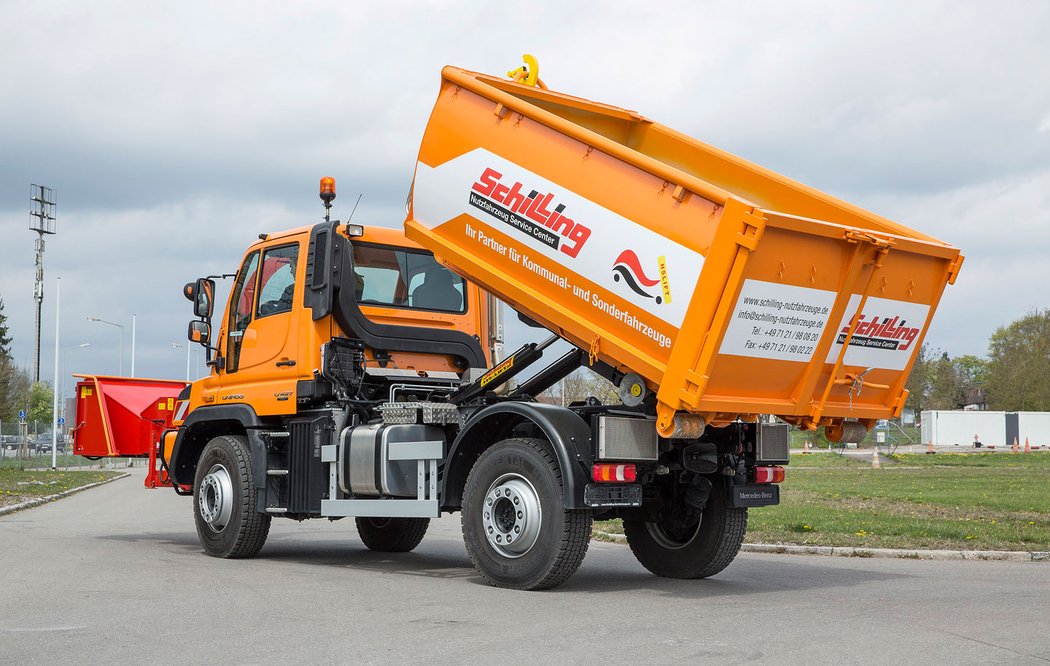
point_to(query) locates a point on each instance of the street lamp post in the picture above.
(133, 318)
(54, 387)
(120, 365)
(61, 387)
(175, 346)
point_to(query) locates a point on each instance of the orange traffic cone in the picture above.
(929, 448)
(1027, 448)
(1014, 447)
(875, 458)
(805, 447)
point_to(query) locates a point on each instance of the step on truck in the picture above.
(357, 371)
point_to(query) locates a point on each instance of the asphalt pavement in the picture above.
(115, 575)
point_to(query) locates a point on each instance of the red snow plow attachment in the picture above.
(124, 417)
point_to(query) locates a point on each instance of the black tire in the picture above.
(520, 476)
(700, 551)
(228, 522)
(392, 535)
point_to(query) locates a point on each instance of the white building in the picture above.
(998, 429)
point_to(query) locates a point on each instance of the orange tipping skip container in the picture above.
(732, 290)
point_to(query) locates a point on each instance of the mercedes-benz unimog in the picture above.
(357, 371)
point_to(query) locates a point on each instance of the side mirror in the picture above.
(199, 332)
(202, 293)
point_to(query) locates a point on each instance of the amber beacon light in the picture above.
(327, 190)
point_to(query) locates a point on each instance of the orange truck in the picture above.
(358, 372)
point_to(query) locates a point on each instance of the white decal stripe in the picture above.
(887, 335)
(443, 193)
(777, 321)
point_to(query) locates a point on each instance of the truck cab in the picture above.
(268, 347)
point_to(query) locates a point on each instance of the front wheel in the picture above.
(224, 500)
(698, 549)
(516, 529)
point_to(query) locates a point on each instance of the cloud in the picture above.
(175, 133)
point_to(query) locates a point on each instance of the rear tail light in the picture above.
(614, 472)
(769, 474)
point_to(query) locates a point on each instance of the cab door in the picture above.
(262, 337)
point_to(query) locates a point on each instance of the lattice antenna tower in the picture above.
(42, 221)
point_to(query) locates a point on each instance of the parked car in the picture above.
(42, 443)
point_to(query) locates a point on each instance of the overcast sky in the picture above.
(176, 132)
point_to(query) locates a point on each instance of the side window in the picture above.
(243, 296)
(431, 286)
(277, 285)
(405, 278)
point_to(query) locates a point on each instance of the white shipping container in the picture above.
(1035, 426)
(957, 428)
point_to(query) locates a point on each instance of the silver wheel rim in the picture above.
(665, 540)
(511, 515)
(215, 498)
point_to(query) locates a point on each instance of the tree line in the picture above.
(18, 391)
(1014, 377)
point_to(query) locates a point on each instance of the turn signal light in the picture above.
(327, 189)
(614, 472)
(769, 475)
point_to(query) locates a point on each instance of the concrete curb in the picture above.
(37, 501)
(899, 553)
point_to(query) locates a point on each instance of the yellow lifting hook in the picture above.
(529, 73)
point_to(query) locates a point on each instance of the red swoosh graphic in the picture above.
(629, 259)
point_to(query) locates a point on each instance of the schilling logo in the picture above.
(629, 268)
(880, 335)
(529, 214)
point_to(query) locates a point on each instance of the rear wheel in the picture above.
(695, 549)
(392, 535)
(224, 500)
(516, 529)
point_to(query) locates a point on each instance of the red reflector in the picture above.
(769, 474)
(614, 472)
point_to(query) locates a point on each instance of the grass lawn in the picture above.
(17, 486)
(990, 501)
